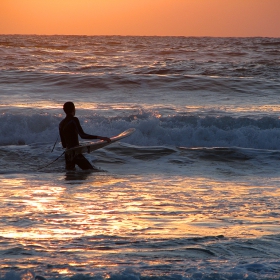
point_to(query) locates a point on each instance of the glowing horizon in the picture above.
(217, 18)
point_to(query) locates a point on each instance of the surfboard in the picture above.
(92, 146)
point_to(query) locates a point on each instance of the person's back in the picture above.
(69, 129)
(68, 132)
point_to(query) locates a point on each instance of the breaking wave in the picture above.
(180, 131)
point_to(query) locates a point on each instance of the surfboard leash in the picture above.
(51, 162)
(54, 143)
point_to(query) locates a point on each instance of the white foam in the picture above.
(186, 131)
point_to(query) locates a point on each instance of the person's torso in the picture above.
(69, 131)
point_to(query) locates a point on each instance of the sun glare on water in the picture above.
(110, 206)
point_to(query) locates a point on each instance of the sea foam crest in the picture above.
(151, 130)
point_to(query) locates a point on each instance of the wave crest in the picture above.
(183, 131)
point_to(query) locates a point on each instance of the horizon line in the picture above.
(85, 35)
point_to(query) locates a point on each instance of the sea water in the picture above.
(192, 194)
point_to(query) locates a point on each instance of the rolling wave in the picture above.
(175, 131)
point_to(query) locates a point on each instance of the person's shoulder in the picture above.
(68, 120)
(62, 122)
(76, 119)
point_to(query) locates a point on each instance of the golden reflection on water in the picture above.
(150, 207)
(236, 108)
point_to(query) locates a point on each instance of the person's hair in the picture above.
(68, 107)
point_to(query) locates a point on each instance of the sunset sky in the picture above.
(141, 17)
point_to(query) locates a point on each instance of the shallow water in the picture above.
(154, 224)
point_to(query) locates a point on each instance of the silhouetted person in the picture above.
(69, 129)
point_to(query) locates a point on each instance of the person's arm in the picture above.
(84, 135)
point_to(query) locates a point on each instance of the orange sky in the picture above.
(141, 17)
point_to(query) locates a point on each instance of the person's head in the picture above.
(69, 108)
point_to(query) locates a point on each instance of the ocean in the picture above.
(192, 194)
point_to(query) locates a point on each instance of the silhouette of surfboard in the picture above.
(92, 146)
